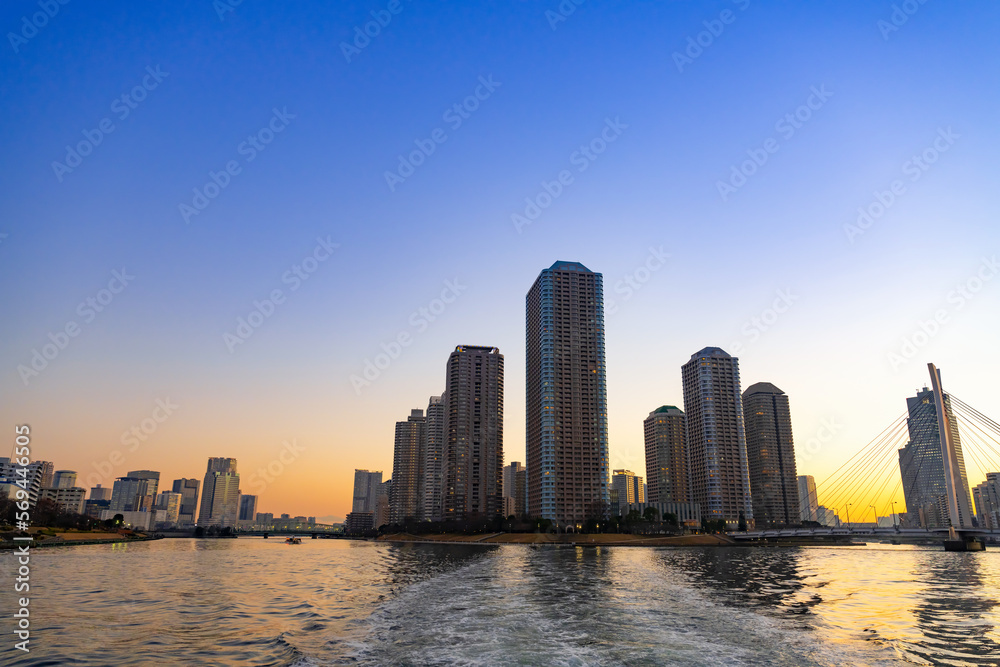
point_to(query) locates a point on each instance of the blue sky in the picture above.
(855, 298)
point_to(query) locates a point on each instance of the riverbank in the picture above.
(72, 538)
(569, 539)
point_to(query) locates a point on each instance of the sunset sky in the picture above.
(248, 153)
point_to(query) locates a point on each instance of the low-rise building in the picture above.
(72, 500)
(358, 523)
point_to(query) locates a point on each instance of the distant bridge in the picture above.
(843, 531)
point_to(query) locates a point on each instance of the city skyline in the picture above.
(164, 341)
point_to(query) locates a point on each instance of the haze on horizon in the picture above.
(807, 188)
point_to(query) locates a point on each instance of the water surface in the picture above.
(333, 602)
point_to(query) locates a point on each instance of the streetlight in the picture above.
(874, 516)
(894, 514)
(848, 516)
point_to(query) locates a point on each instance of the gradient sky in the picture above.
(889, 95)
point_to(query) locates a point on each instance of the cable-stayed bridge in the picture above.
(926, 462)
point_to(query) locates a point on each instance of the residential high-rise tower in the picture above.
(720, 478)
(667, 473)
(433, 475)
(566, 397)
(473, 442)
(771, 456)
(407, 469)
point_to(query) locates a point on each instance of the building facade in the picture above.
(986, 498)
(134, 493)
(382, 512)
(72, 500)
(667, 472)
(713, 406)
(921, 465)
(629, 487)
(220, 495)
(407, 469)
(188, 488)
(514, 486)
(366, 485)
(808, 499)
(566, 395)
(248, 508)
(11, 479)
(64, 479)
(774, 484)
(168, 507)
(473, 442)
(433, 475)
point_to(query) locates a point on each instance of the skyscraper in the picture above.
(188, 488)
(771, 456)
(135, 492)
(100, 493)
(147, 501)
(248, 507)
(473, 443)
(366, 485)
(667, 472)
(168, 507)
(808, 500)
(513, 485)
(986, 497)
(433, 475)
(382, 504)
(407, 469)
(921, 466)
(566, 397)
(220, 495)
(720, 479)
(629, 487)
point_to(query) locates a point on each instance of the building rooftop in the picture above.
(711, 352)
(762, 388)
(569, 266)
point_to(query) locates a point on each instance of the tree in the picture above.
(671, 520)
(651, 514)
(743, 523)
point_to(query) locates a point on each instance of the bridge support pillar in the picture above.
(965, 544)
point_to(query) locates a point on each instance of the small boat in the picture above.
(293, 540)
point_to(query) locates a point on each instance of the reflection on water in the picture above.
(254, 601)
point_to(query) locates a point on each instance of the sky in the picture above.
(217, 215)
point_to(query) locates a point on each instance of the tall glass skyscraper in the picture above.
(220, 494)
(566, 391)
(921, 466)
(716, 440)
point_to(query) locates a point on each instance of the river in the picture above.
(333, 602)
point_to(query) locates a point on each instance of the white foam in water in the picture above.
(612, 607)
